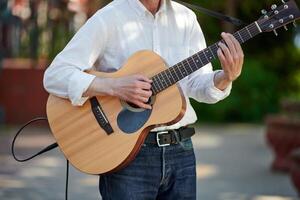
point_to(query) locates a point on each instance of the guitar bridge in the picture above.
(100, 116)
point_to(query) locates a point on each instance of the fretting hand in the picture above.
(231, 57)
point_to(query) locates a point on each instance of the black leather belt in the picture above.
(168, 137)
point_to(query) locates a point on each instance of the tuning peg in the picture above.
(281, 21)
(274, 6)
(285, 28)
(283, 1)
(264, 12)
(275, 32)
(295, 24)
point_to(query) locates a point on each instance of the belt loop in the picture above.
(177, 136)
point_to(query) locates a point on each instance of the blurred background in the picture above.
(246, 146)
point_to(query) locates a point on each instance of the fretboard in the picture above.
(175, 73)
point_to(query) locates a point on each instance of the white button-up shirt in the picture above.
(120, 29)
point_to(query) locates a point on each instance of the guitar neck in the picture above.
(173, 74)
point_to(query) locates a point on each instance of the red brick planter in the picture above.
(22, 95)
(283, 135)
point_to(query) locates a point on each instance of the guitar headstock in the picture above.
(279, 16)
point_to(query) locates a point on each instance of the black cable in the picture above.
(67, 180)
(48, 148)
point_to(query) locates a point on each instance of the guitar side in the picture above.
(86, 145)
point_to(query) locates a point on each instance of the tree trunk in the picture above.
(230, 9)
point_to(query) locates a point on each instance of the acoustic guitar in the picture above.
(106, 133)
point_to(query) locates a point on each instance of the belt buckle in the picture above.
(157, 139)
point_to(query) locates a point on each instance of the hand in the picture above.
(134, 89)
(231, 57)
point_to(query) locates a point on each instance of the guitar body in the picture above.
(87, 146)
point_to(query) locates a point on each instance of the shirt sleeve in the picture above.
(201, 83)
(66, 76)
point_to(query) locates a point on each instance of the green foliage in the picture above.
(253, 94)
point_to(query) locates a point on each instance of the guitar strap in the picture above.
(232, 20)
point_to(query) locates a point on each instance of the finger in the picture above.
(144, 78)
(227, 54)
(238, 48)
(221, 57)
(223, 60)
(142, 105)
(236, 43)
(145, 93)
(144, 85)
(229, 43)
(143, 99)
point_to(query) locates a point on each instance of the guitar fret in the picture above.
(202, 58)
(243, 34)
(159, 83)
(198, 59)
(174, 71)
(171, 77)
(192, 63)
(162, 80)
(178, 67)
(212, 53)
(207, 53)
(205, 56)
(240, 36)
(153, 86)
(160, 88)
(245, 38)
(184, 66)
(165, 78)
(195, 63)
(248, 31)
(177, 71)
(216, 47)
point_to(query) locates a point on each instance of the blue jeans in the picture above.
(157, 173)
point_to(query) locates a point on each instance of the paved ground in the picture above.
(232, 164)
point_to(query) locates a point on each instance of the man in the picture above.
(108, 38)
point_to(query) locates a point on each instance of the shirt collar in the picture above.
(142, 10)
